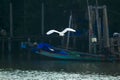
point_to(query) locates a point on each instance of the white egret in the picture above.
(62, 33)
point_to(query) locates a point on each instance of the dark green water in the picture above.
(60, 70)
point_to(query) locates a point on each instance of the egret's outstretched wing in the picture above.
(51, 31)
(68, 29)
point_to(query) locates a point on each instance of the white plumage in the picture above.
(62, 33)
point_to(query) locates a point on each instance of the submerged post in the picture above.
(3, 34)
(3, 48)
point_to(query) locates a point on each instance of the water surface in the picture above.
(60, 70)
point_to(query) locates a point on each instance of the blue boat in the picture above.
(47, 51)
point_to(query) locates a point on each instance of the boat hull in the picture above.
(44, 55)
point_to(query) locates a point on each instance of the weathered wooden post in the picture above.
(10, 36)
(98, 26)
(106, 29)
(90, 29)
(68, 35)
(42, 22)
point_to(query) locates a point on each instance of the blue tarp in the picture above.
(48, 47)
(45, 47)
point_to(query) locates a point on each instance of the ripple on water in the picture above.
(41, 75)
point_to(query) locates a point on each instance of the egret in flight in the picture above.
(62, 33)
